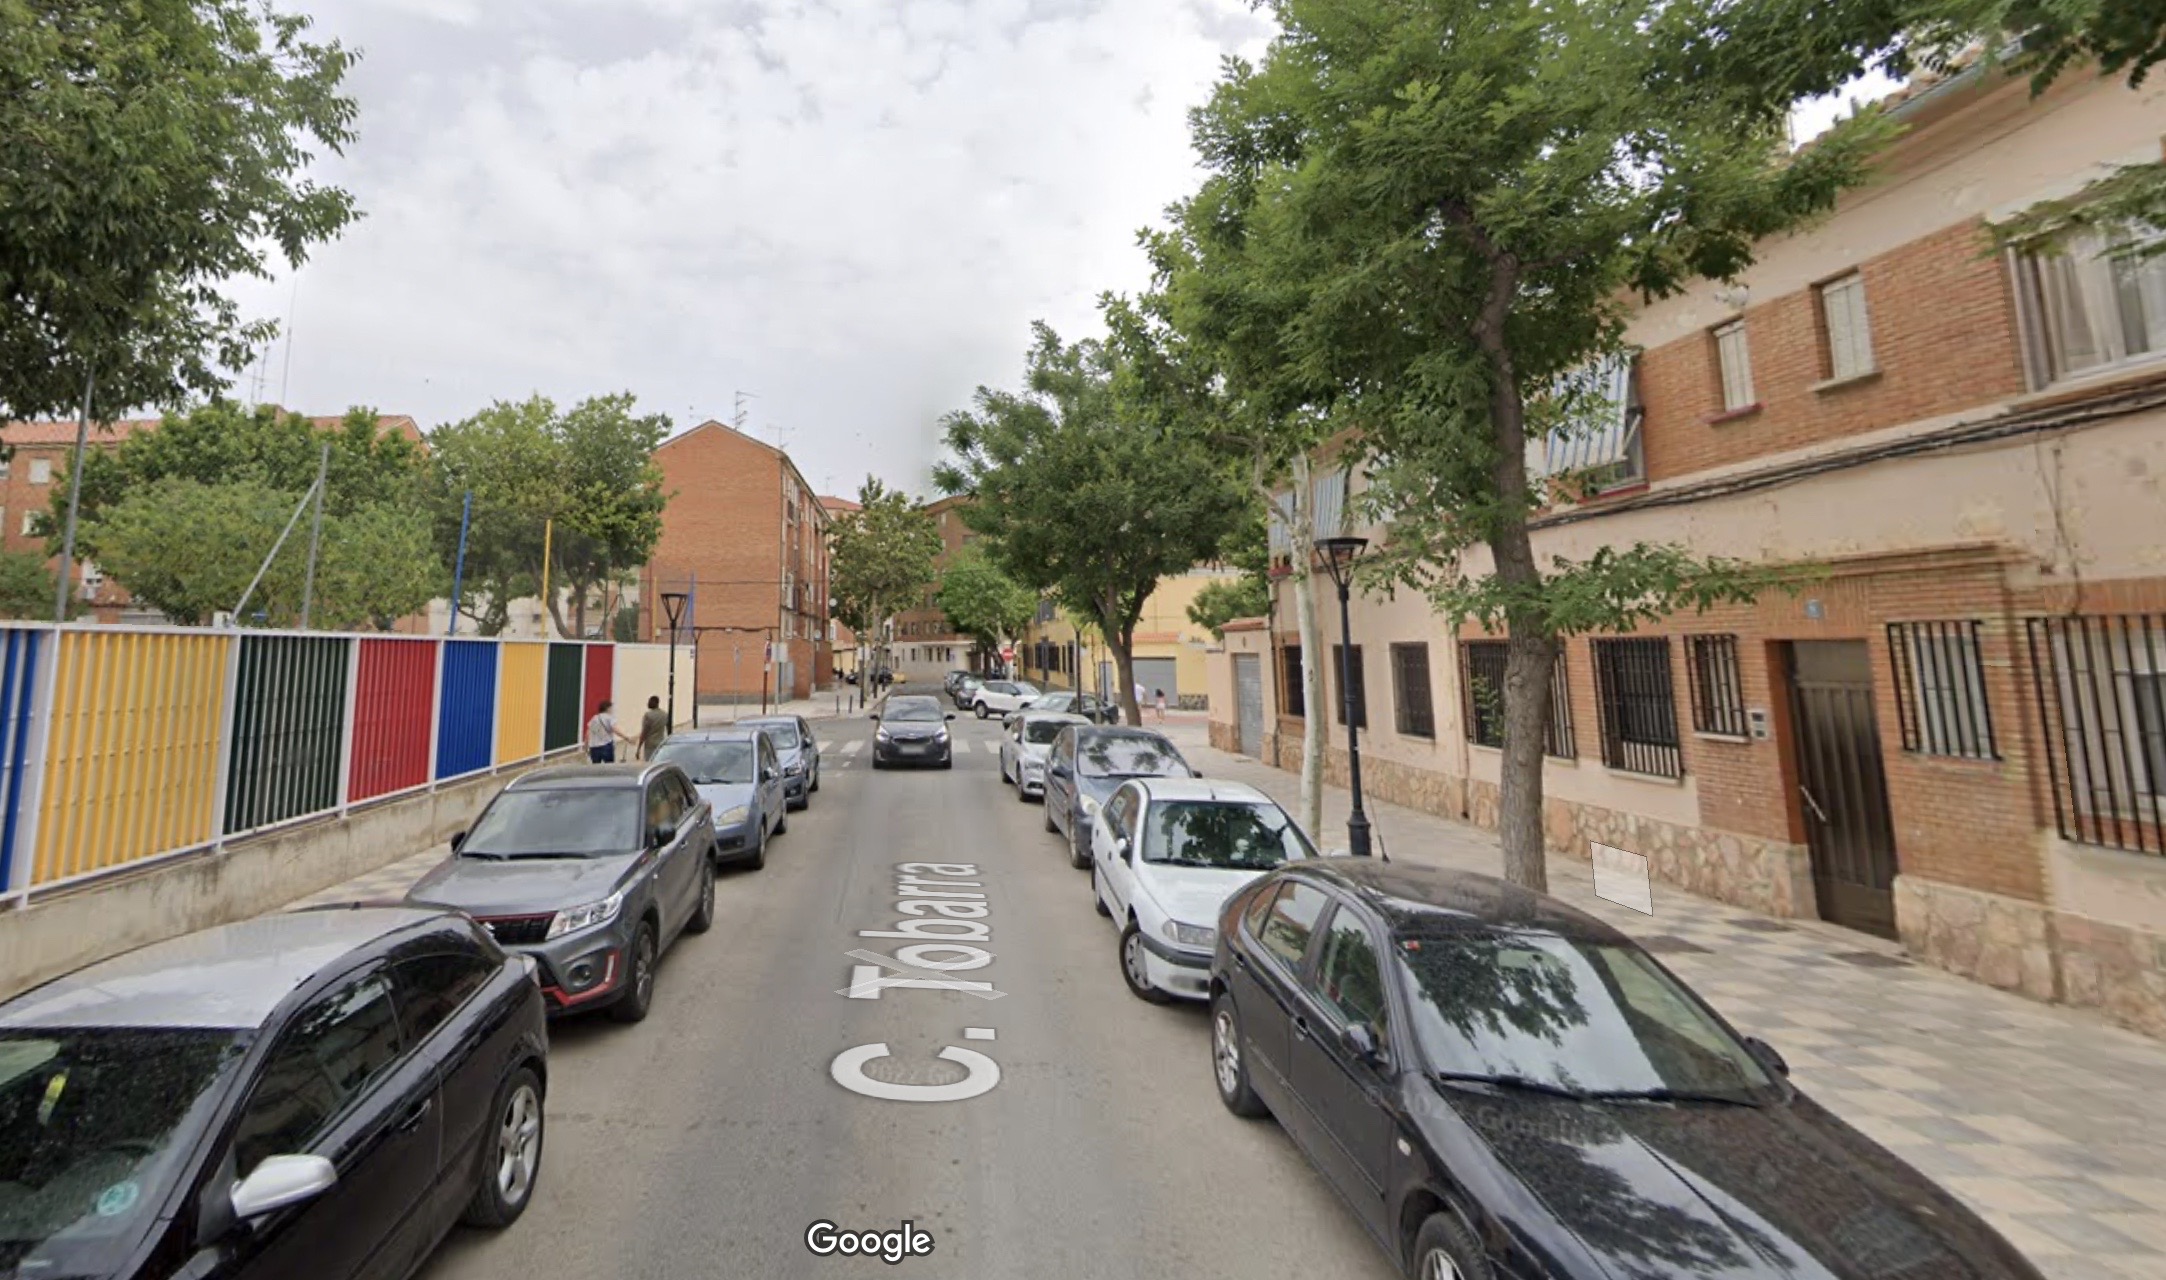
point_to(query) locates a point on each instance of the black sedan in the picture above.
(1503, 1086)
(320, 1094)
(913, 730)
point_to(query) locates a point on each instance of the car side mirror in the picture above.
(876, 715)
(1360, 1041)
(1194, 772)
(1767, 1055)
(1123, 847)
(951, 715)
(457, 838)
(280, 1181)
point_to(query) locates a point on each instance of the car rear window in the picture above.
(1041, 732)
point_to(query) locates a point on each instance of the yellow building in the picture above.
(1169, 650)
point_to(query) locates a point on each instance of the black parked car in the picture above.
(1088, 763)
(913, 730)
(1503, 1086)
(320, 1094)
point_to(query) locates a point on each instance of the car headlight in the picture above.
(882, 735)
(588, 916)
(1190, 935)
(793, 768)
(1090, 807)
(733, 815)
(1033, 766)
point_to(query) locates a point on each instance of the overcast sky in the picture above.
(849, 209)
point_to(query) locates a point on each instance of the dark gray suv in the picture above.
(593, 871)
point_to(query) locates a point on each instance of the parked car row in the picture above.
(327, 1092)
(1497, 1083)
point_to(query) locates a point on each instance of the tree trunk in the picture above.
(1301, 537)
(1122, 641)
(1530, 654)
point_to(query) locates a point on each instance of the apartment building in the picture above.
(1954, 731)
(1170, 649)
(36, 469)
(744, 544)
(925, 644)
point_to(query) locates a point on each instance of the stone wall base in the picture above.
(1225, 737)
(2033, 950)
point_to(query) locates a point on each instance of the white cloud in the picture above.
(852, 208)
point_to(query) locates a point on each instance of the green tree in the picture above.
(1218, 603)
(882, 556)
(983, 602)
(1466, 194)
(149, 153)
(26, 587)
(611, 498)
(1085, 493)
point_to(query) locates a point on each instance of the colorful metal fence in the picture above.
(122, 745)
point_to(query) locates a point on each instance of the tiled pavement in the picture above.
(2049, 1121)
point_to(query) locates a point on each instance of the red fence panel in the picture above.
(601, 679)
(393, 714)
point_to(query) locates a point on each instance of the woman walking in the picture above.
(602, 736)
(1161, 706)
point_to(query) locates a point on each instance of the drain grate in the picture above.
(1760, 926)
(1669, 944)
(1872, 960)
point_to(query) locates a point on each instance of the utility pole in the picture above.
(315, 537)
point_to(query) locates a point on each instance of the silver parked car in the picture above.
(1023, 747)
(738, 772)
(798, 751)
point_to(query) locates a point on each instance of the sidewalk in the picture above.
(2049, 1121)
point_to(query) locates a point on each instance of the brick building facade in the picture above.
(1952, 729)
(745, 538)
(926, 645)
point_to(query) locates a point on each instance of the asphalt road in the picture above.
(704, 1141)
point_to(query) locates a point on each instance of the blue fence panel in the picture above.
(466, 708)
(18, 693)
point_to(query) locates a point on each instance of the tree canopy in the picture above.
(983, 602)
(883, 555)
(1218, 603)
(150, 152)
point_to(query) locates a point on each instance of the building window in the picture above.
(1413, 710)
(1293, 694)
(1602, 450)
(41, 471)
(1734, 359)
(1481, 684)
(2101, 689)
(1638, 705)
(2090, 307)
(1718, 691)
(1353, 680)
(1940, 689)
(1850, 334)
(30, 523)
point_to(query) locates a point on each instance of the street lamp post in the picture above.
(1336, 557)
(673, 605)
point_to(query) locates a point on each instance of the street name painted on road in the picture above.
(945, 913)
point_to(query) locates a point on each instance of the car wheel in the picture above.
(782, 824)
(1050, 825)
(802, 802)
(1098, 899)
(1135, 966)
(813, 785)
(1076, 856)
(1004, 777)
(1444, 1251)
(981, 711)
(758, 859)
(703, 916)
(1021, 796)
(1228, 1064)
(511, 1159)
(639, 983)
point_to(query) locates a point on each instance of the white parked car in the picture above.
(1025, 742)
(999, 697)
(1170, 852)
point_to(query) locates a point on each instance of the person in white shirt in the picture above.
(602, 736)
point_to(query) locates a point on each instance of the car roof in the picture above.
(584, 776)
(728, 733)
(778, 721)
(1429, 901)
(898, 699)
(232, 976)
(1208, 790)
(1051, 717)
(1123, 731)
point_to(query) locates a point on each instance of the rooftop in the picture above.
(33, 434)
(230, 976)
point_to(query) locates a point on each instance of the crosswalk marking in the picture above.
(849, 750)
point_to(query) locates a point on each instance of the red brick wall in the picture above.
(1944, 338)
(723, 525)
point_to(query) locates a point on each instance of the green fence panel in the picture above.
(562, 715)
(289, 709)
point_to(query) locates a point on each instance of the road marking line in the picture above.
(867, 982)
(977, 1033)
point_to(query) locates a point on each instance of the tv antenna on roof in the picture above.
(737, 416)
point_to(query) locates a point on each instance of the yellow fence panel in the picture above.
(521, 688)
(133, 751)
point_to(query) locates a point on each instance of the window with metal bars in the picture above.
(1718, 689)
(1413, 710)
(1352, 679)
(1293, 697)
(1940, 693)
(1481, 684)
(2101, 689)
(1637, 698)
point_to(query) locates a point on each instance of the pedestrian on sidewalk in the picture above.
(1161, 706)
(603, 735)
(1143, 700)
(653, 728)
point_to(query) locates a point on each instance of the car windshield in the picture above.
(95, 1125)
(1130, 757)
(1237, 837)
(710, 763)
(1041, 732)
(913, 712)
(1558, 1013)
(556, 822)
(784, 733)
